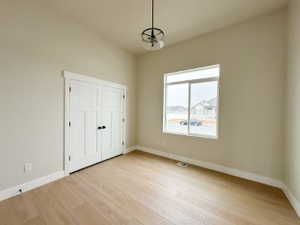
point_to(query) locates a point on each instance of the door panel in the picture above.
(77, 135)
(90, 134)
(112, 101)
(83, 131)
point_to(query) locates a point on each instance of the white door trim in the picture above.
(69, 76)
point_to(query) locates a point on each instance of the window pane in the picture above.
(203, 119)
(194, 74)
(177, 108)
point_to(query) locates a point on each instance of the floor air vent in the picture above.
(182, 164)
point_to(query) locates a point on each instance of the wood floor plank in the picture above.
(118, 197)
(143, 189)
(265, 205)
(7, 214)
(173, 210)
(23, 207)
(35, 221)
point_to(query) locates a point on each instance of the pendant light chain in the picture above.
(152, 32)
(152, 13)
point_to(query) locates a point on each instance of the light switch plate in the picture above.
(27, 167)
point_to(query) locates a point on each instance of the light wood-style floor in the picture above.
(142, 189)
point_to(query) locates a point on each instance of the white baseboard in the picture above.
(234, 172)
(10, 192)
(215, 167)
(294, 202)
(130, 149)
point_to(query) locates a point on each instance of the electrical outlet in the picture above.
(27, 167)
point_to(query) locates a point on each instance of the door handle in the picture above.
(100, 128)
(103, 127)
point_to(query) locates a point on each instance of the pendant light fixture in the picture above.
(153, 38)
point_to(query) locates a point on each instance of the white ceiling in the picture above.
(122, 21)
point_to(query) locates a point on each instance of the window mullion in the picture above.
(165, 104)
(189, 108)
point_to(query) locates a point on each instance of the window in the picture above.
(191, 102)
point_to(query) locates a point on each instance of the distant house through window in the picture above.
(191, 102)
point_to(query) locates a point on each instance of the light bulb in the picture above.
(153, 46)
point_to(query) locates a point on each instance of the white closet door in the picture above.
(83, 130)
(112, 111)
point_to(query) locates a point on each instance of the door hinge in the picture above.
(70, 89)
(69, 123)
(69, 158)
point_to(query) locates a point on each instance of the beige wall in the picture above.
(292, 162)
(252, 59)
(35, 46)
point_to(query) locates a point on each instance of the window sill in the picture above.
(193, 135)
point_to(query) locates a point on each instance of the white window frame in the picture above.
(189, 82)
